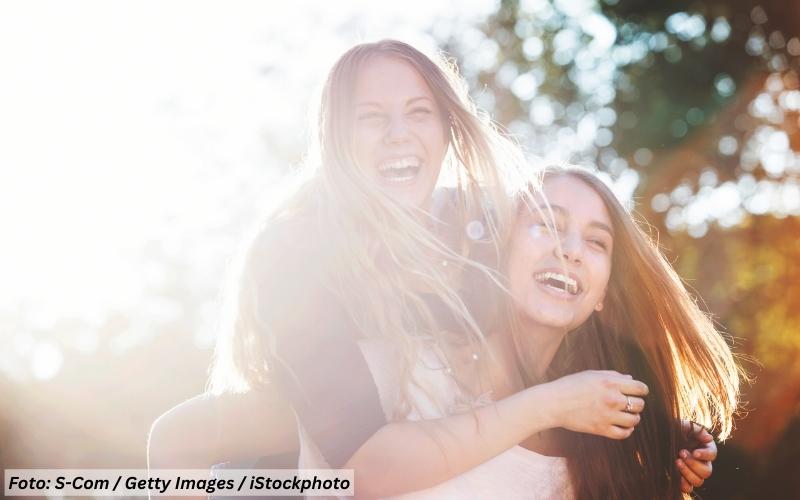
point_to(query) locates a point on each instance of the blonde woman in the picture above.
(361, 266)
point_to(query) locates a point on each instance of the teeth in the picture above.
(405, 178)
(399, 163)
(570, 285)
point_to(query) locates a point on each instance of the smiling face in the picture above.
(544, 291)
(399, 132)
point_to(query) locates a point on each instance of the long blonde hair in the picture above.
(651, 327)
(359, 222)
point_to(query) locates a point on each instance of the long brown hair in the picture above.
(651, 327)
(358, 221)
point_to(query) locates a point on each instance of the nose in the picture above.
(571, 247)
(397, 131)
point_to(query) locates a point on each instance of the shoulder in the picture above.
(288, 269)
(456, 226)
(283, 236)
(288, 246)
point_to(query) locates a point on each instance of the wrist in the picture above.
(542, 398)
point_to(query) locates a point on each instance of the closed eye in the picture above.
(600, 244)
(370, 116)
(540, 228)
(420, 112)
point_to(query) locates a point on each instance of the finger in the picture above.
(685, 486)
(701, 468)
(707, 453)
(694, 431)
(625, 419)
(617, 432)
(706, 450)
(686, 427)
(704, 436)
(637, 404)
(687, 473)
(633, 388)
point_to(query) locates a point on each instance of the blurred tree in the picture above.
(696, 106)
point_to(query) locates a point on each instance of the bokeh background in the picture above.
(139, 142)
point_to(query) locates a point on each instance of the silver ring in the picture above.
(628, 405)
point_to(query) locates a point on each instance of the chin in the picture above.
(410, 198)
(563, 320)
(565, 324)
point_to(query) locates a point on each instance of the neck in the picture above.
(538, 345)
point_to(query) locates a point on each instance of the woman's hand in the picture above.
(695, 461)
(605, 403)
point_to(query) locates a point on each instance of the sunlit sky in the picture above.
(132, 125)
(138, 139)
(131, 122)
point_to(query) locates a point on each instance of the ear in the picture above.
(599, 306)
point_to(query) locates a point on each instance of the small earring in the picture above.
(599, 306)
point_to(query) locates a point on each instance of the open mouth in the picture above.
(400, 170)
(559, 282)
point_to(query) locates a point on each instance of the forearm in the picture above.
(409, 456)
(211, 429)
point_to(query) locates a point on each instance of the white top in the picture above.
(514, 474)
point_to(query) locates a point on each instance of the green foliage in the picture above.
(701, 100)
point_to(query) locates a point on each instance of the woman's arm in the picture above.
(320, 369)
(210, 429)
(315, 360)
(408, 456)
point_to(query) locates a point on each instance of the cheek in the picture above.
(537, 233)
(433, 136)
(364, 145)
(602, 275)
(515, 270)
(365, 137)
(525, 252)
(606, 269)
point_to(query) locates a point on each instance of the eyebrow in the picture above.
(564, 212)
(408, 102)
(420, 98)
